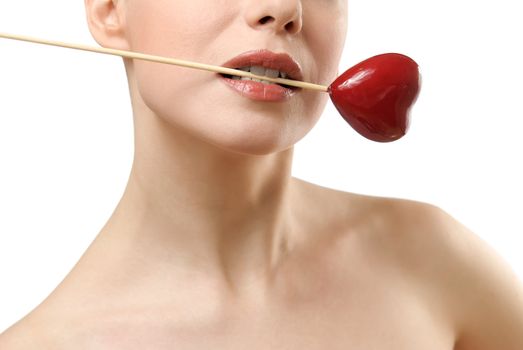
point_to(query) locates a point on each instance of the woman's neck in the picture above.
(192, 206)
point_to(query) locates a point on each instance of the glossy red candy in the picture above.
(375, 96)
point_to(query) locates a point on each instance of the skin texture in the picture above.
(214, 245)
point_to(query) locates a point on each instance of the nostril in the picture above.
(289, 26)
(266, 19)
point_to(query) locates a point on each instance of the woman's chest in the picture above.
(374, 319)
(316, 304)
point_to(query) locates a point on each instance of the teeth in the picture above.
(258, 70)
(271, 73)
(262, 71)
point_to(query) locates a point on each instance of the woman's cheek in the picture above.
(329, 22)
(157, 85)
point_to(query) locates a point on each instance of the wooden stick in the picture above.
(160, 59)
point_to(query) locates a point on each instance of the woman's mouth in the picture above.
(260, 90)
(263, 63)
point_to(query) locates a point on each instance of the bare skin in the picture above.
(390, 274)
(214, 245)
(341, 286)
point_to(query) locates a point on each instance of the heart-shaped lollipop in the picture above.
(375, 96)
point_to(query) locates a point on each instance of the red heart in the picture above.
(375, 96)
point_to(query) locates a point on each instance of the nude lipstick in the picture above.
(263, 63)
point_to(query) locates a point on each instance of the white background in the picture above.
(66, 131)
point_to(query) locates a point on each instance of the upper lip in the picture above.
(267, 59)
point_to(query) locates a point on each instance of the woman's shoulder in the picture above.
(399, 231)
(22, 335)
(42, 328)
(449, 265)
(415, 234)
(395, 217)
(49, 330)
(478, 287)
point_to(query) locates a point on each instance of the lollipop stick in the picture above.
(160, 59)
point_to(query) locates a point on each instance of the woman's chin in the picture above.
(255, 145)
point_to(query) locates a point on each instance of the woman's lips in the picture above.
(259, 91)
(282, 62)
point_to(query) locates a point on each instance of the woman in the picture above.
(214, 245)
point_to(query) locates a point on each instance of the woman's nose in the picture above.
(281, 16)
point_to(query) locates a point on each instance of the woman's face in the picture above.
(214, 31)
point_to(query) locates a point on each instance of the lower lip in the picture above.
(258, 91)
